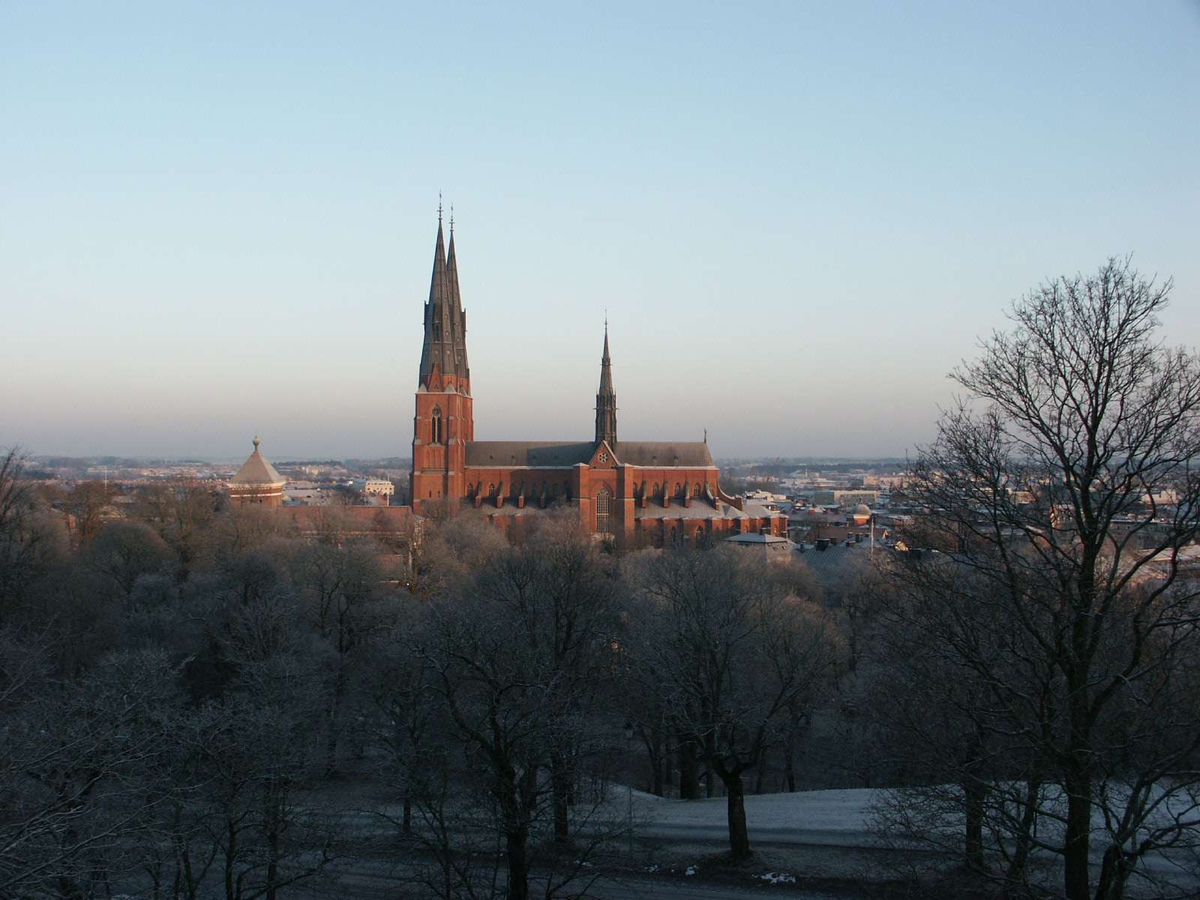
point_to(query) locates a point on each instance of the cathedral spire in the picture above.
(457, 315)
(606, 398)
(444, 348)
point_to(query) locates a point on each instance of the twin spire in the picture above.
(444, 351)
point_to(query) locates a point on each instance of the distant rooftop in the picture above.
(257, 471)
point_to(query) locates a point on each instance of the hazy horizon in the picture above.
(798, 218)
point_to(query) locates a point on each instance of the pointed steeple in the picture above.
(458, 315)
(606, 398)
(445, 346)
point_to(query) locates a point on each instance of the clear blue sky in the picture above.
(219, 219)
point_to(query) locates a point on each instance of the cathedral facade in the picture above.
(636, 493)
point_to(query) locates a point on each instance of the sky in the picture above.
(217, 220)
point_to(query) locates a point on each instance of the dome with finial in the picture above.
(257, 481)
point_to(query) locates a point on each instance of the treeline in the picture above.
(185, 686)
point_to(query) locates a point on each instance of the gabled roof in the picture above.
(651, 454)
(257, 471)
(528, 453)
(648, 454)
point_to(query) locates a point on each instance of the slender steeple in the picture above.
(444, 350)
(606, 398)
(456, 310)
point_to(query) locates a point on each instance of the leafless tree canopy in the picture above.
(1057, 641)
(201, 701)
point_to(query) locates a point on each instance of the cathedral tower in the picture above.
(444, 420)
(606, 399)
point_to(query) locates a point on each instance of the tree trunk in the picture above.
(654, 752)
(739, 837)
(1076, 844)
(973, 794)
(272, 885)
(517, 840)
(230, 858)
(335, 709)
(406, 825)
(1114, 874)
(689, 772)
(274, 823)
(789, 761)
(1020, 857)
(560, 785)
(1078, 777)
(657, 764)
(709, 751)
(668, 767)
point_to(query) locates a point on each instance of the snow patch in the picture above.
(777, 878)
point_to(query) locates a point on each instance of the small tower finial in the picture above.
(706, 435)
(439, 207)
(256, 442)
(452, 218)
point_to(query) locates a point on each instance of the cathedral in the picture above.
(635, 493)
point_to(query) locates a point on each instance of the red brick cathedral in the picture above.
(639, 493)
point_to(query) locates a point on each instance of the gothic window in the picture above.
(603, 511)
(436, 426)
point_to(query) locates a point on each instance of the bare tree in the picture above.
(518, 660)
(71, 755)
(255, 747)
(123, 552)
(732, 652)
(86, 505)
(182, 514)
(339, 584)
(29, 550)
(1068, 481)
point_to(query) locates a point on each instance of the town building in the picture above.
(257, 482)
(637, 493)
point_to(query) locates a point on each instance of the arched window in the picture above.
(436, 426)
(603, 511)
